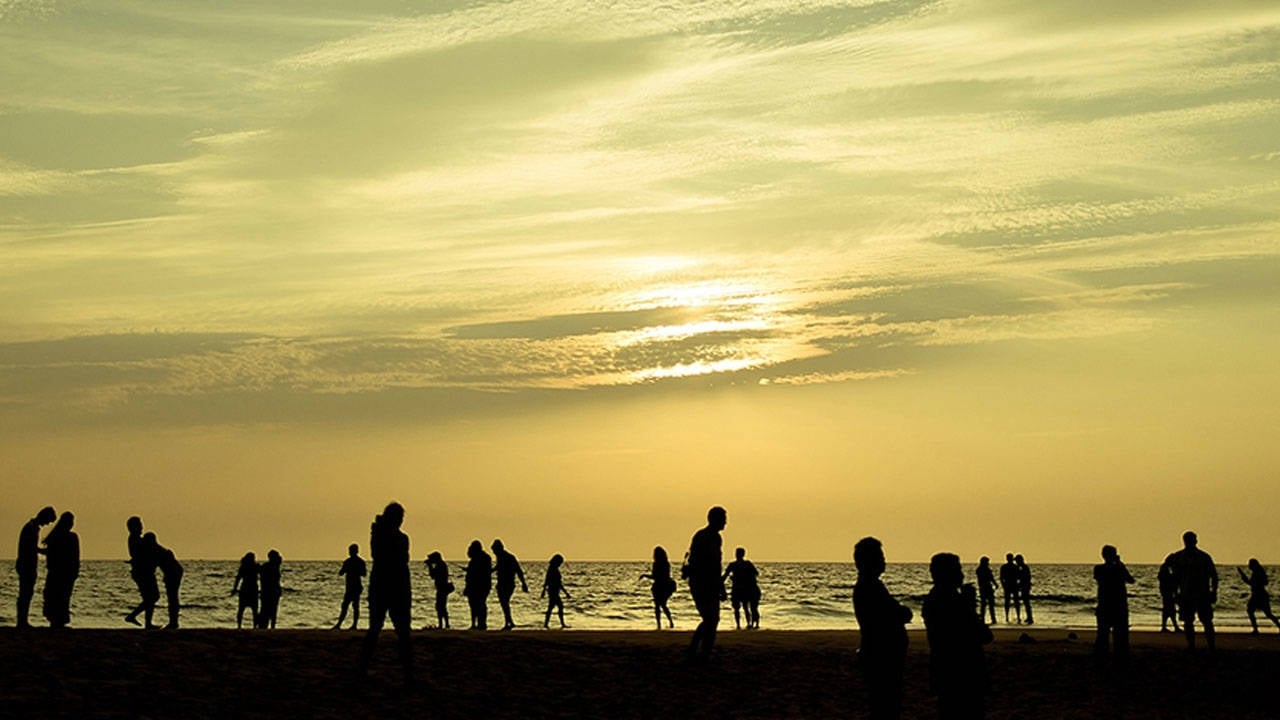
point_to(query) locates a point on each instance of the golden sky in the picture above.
(970, 275)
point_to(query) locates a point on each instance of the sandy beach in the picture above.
(762, 674)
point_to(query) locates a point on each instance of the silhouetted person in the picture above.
(1168, 582)
(507, 568)
(171, 571)
(957, 665)
(1197, 588)
(986, 589)
(882, 621)
(246, 587)
(354, 570)
(1009, 581)
(663, 585)
(479, 582)
(28, 562)
(1024, 586)
(142, 569)
(746, 589)
(1113, 580)
(389, 590)
(438, 569)
(702, 570)
(269, 576)
(1259, 598)
(62, 567)
(552, 587)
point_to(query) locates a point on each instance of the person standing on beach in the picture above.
(1113, 580)
(390, 592)
(507, 568)
(552, 587)
(986, 589)
(142, 570)
(1197, 579)
(1024, 586)
(1259, 598)
(246, 587)
(171, 571)
(746, 589)
(438, 570)
(479, 582)
(882, 628)
(1168, 596)
(1009, 581)
(702, 570)
(353, 569)
(663, 585)
(957, 665)
(28, 562)
(62, 567)
(271, 591)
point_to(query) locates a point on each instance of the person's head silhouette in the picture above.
(945, 570)
(497, 546)
(46, 515)
(1189, 539)
(1254, 564)
(659, 553)
(557, 560)
(134, 525)
(984, 561)
(1008, 557)
(740, 553)
(1109, 553)
(868, 557)
(393, 515)
(475, 549)
(717, 518)
(353, 549)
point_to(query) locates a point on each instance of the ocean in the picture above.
(607, 596)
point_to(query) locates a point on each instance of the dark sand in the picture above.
(760, 674)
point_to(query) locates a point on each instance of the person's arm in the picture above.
(544, 590)
(1213, 577)
(1244, 577)
(1128, 576)
(524, 587)
(235, 587)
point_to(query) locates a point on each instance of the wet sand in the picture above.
(535, 673)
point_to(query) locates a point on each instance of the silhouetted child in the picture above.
(142, 570)
(438, 570)
(269, 575)
(664, 586)
(354, 570)
(746, 589)
(390, 592)
(1259, 598)
(479, 581)
(1024, 586)
(171, 570)
(1168, 582)
(62, 568)
(986, 589)
(1009, 581)
(957, 665)
(552, 587)
(28, 562)
(882, 621)
(1113, 579)
(246, 586)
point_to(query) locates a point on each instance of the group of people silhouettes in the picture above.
(259, 589)
(146, 555)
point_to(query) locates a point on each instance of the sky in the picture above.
(978, 276)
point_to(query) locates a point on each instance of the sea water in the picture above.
(606, 596)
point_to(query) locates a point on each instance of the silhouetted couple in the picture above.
(438, 570)
(702, 570)
(1196, 579)
(664, 586)
(1015, 578)
(146, 555)
(390, 592)
(259, 589)
(28, 561)
(354, 570)
(746, 589)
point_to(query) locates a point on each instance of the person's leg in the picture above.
(26, 591)
(404, 641)
(1206, 619)
(1100, 639)
(377, 616)
(1189, 624)
(355, 610)
(1252, 611)
(342, 616)
(1122, 637)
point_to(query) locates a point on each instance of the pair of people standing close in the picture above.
(146, 555)
(61, 550)
(259, 589)
(1015, 578)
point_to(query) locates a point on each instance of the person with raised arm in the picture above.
(390, 592)
(1259, 598)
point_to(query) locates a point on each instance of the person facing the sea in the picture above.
(1259, 598)
(663, 585)
(354, 570)
(390, 592)
(1009, 581)
(246, 587)
(62, 567)
(746, 589)
(552, 588)
(986, 589)
(269, 575)
(171, 571)
(702, 570)
(507, 568)
(1024, 586)
(478, 583)
(142, 570)
(1168, 582)
(1197, 580)
(882, 628)
(957, 665)
(438, 570)
(27, 565)
(1113, 579)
